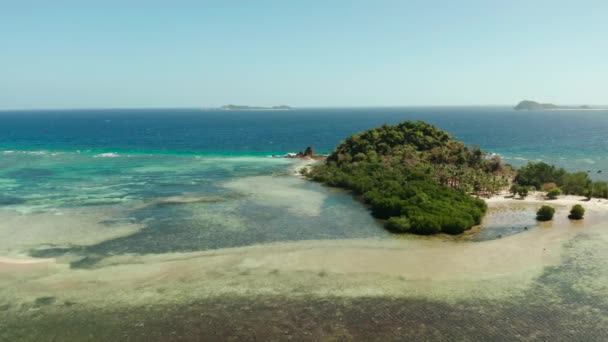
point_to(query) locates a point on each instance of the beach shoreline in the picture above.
(539, 198)
(304, 165)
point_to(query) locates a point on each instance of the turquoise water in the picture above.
(184, 202)
(41, 180)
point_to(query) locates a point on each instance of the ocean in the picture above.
(116, 195)
(570, 138)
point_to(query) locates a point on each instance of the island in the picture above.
(532, 105)
(417, 179)
(239, 107)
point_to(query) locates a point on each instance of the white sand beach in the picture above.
(539, 198)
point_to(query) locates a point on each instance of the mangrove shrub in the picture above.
(577, 212)
(553, 193)
(545, 213)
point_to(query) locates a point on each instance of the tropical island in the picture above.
(532, 105)
(420, 180)
(239, 107)
(415, 176)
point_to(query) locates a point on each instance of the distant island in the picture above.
(532, 105)
(236, 107)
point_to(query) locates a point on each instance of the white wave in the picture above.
(33, 153)
(242, 159)
(107, 155)
(518, 158)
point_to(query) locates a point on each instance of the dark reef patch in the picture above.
(312, 319)
(44, 301)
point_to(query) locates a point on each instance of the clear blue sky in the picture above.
(106, 53)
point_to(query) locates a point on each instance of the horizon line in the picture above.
(203, 108)
(220, 107)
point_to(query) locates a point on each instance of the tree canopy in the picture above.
(415, 176)
(546, 177)
(537, 174)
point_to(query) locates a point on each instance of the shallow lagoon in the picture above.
(268, 255)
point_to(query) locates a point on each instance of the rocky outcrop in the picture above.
(308, 153)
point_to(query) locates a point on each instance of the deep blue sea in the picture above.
(574, 139)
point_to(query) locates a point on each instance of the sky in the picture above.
(124, 54)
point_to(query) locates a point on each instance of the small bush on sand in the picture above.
(553, 193)
(577, 212)
(545, 213)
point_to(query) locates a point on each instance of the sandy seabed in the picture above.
(401, 266)
(447, 274)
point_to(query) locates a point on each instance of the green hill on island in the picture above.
(415, 176)
(532, 105)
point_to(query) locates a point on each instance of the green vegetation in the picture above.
(575, 183)
(538, 174)
(542, 176)
(415, 176)
(599, 189)
(522, 191)
(420, 180)
(553, 193)
(577, 212)
(545, 213)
